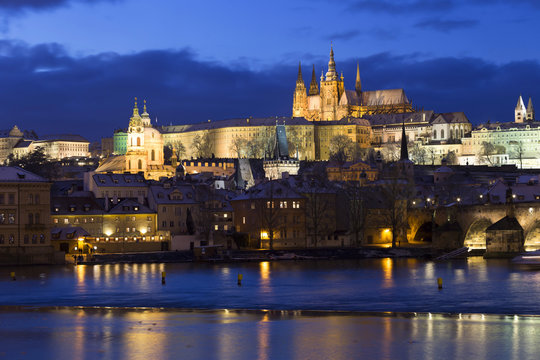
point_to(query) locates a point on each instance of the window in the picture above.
(30, 198)
(282, 204)
(26, 239)
(140, 164)
(34, 239)
(11, 218)
(2, 198)
(216, 227)
(30, 219)
(1, 238)
(296, 204)
(36, 218)
(11, 199)
(164, 224)
(55, 221)
(149, 218)
(66, 221)
(171, 223)
(243, 219)
(11, 239)
(252, 206)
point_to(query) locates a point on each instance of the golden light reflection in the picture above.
(80, 273)
(264, 267)
(263, 338)
(146, 328)
(387, 266)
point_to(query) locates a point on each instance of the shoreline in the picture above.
(235, 256)
(272, 312)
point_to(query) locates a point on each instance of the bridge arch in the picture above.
(532, 237)
(424, 232)
(475, 237)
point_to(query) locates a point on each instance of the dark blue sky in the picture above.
(75, 65)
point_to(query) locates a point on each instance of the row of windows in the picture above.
(92, 220)
(282, 204)
(7, 198)
(26, 239)
(7, 218)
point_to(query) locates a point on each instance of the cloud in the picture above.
(46, 89)
(446, 25)
(427, 6)
(17, 5)
(400, 7)
(344, 35)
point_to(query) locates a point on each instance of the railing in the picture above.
(453, 254)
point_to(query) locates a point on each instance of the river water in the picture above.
(372, 308)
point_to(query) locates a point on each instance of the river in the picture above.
(372, 308)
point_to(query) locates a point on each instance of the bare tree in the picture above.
(239, 146)
(518, 151)
(357, 210)
(255, 148)
(201, 146)
(396, 194)
(316, 212)
(269, 214)
(295, 142)
(431, 155)
(451, 158)
(418, 154)
(340, 148)
(487, 151)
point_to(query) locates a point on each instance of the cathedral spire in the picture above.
(331, 74)
(358, 85)
(520, 105)
(144, 108)
(530, 110)
(300, 79)
(313, 87)
(404, 150)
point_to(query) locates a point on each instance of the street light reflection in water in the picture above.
(96, 333)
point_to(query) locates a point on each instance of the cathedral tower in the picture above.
(331, 90)
(300, 95)
(520, 112)
(313, 86)
(530, 111)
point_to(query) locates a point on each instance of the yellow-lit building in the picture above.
(333, 102)
(144, 150)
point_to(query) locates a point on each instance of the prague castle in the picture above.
(333, 102)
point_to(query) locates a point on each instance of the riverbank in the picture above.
(229, 256)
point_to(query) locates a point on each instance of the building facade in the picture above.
(333, 102)
(25, 220)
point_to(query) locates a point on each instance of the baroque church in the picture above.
(144, 150)
(333, 102)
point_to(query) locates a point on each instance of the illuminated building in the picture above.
(333, 102)
(24, 216)
(144, 150)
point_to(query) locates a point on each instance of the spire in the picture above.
(144, 108)
(300, 79)
(404, 151)
(520, 105)
(313, 87)
(135, 109)
(530, 110)
(331, 74)
(358, 86)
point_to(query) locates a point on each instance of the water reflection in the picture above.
(264, 271)
(387, 265)
(151, 334)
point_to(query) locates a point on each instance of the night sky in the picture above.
(74, 66)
